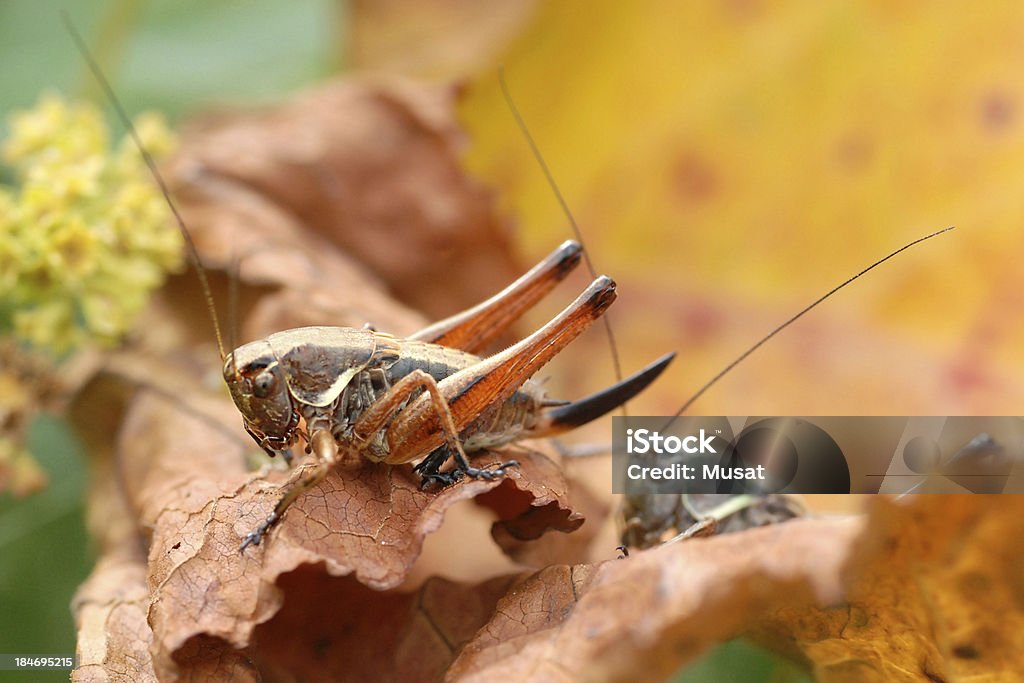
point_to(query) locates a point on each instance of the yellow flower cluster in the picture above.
(85, 236)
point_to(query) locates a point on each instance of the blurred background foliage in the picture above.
(230, 54)
(732, 160)
(728, 161)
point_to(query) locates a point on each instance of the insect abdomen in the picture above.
(437, 361)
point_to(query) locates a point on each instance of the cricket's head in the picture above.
(259, 388)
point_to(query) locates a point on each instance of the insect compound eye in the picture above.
(263, 384)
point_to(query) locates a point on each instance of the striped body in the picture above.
(330, 376)
(503, 423)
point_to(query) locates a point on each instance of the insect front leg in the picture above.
(326, 451)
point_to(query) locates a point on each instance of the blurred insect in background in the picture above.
(649, 519)
(652, 518)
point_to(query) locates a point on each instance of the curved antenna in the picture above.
(236, 272)
(568, 214)
(804, 311)
(190, 246)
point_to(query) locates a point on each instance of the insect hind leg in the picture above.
(389, 407)
(430, 468)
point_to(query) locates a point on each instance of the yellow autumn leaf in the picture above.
(731, 161)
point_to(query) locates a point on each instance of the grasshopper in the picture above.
(426, 398)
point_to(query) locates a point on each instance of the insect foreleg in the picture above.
(326, 451)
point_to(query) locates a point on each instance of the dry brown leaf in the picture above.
(534, 551)
(641, 618)
(338, 630)
(631, 620)
(110, 607)
(934, 595)
(110, 610)
(371, 165)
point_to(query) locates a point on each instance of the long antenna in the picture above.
(236, 271)
(565, 209)
(743, 356)
(190, 246)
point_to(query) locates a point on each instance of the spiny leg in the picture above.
(302, 479)
(470, 392)
(493, 380)
(388, 406)
(429, 468)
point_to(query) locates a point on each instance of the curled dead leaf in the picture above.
(641, 618)
(372, 166)
(110, 607)
(635, 620)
